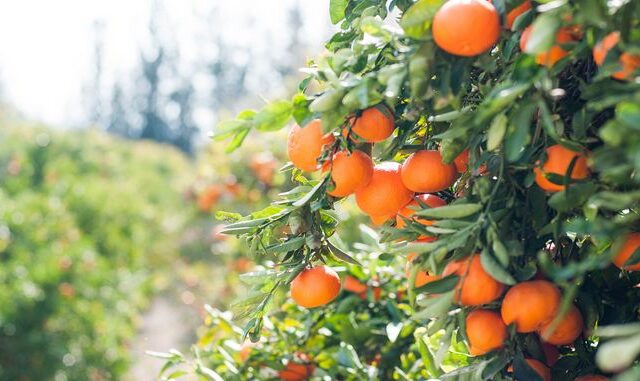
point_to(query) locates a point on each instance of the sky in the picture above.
(46, 47)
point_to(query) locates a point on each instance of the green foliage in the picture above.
(83, 219)
(506, 110)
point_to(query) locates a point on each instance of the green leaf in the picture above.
(312, 193)
(289, 245)
(300, 111)
(373, 26)
(419, 69)
(237, 141)
(228, 128)
(439, 286)
(500, 252)
(496, 132)
(543, 33)
(618, 354)
(242, 226)
(451, 211)
(518, 132)
(336, 10)
(435, 307)
(257, 277)
(495, 269)
(327, 101)
(416, 21)
(274, 116)
(629, 114)
(341, 255)
(572, 197)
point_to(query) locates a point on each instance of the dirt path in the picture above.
(167, 324)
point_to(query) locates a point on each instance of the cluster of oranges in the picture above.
(392, 190)
(471, 27)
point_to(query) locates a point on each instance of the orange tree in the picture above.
(523, 118)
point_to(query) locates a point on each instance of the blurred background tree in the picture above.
(99, 235)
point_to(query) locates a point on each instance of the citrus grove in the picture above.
(493, 147)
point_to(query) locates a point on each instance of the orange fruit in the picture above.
(628, 62)
(551, 353)
(558, 160)
(352, 284)
(350, 172)
(591, 377)
(209, 197)
(263, 166)
(305, 145)
(538, 367)
(556, 52)
(466, 27)
(422, 277)
(486, 331)
(462, 161)
(379, 220)
(425, 172)
(245, 351)
(296, 372)
(372, 126)
(315, 287)
(385, 193)
(567, 331)
(410, 209)
(530, 305)
(231, 185)
(475, 286)
(517, 11)
(630, 245)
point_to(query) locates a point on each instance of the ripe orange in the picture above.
(517, 11)
(630, 245)
(209, 197)
(263, 166)
(372, 126)
(245, 351)
(352, 284)
(305, 144)
(556, 52)
(462, 161)
(231, 186)
(591, 377)
(350, 172)
(628, 62)
(466, 27)
(294, 371)
(486, 331)
(558, 160)
(422, 277)
(379, 220)
(539, 367)
(385, 194)
(475, 286)
(530, 305)
(410, 209)
(315, 287)
(567, 331)
(425, 172)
